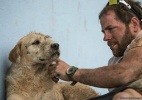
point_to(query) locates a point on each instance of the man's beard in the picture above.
(125, 41)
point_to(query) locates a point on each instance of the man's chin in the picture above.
(118, 54)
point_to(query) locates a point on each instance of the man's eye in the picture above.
(36, 42)
(112, 28)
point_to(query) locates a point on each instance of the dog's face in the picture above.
(35, 48)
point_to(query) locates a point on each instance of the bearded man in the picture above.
(121, 24)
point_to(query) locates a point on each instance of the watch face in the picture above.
(70, 70)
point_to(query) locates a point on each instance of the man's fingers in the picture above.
(51, 69)
(52, 73)
(55, 79)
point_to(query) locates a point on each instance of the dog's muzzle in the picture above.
(55, 49)
(55, 46)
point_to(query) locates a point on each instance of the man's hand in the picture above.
(61, 68)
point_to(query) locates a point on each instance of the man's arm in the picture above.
(130, 68)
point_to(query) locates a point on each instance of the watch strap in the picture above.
(70, 76)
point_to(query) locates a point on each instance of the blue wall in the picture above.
(72, 23)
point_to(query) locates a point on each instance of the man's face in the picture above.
(117, 35)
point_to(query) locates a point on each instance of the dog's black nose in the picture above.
(55, 46)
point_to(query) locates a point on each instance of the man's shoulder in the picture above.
(137, 42)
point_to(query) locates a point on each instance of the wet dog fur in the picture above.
(28, 77)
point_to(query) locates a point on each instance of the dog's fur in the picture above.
(28, 77)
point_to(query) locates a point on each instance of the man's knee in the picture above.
(127, 94)
(120, 96)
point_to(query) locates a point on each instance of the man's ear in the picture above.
(135, 24)
(15, 52)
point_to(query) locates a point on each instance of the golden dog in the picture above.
(28, 77)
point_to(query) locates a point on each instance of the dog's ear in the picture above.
(15, 52)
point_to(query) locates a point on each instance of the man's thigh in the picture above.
(128, 94)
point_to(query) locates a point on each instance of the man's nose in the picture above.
(55, 46)
(107, 36)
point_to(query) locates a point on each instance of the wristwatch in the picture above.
(70, 72)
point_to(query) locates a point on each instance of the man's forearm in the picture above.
(105, 77)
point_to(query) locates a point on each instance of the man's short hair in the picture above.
(122, 12)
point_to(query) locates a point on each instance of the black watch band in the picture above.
(70, 72)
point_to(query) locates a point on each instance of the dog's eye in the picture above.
(36, 42)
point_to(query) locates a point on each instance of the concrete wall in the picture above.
(72, 23)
